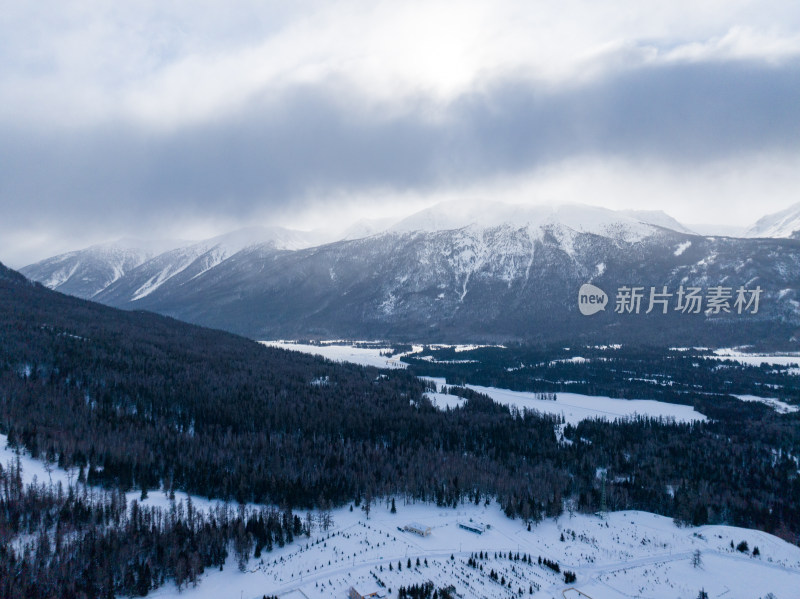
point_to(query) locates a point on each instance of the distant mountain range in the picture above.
(456, 272)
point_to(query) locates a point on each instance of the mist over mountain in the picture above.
(484, 271)
(785, 223)
(84, 273)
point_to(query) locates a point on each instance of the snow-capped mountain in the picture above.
(366, 227)
(184, 264)
(140, 266)
(84, 273)
(130, 269)
(489, 284)
(712, 229)
(780, 224)
(659, 218)
(579, 218)
(484, 272)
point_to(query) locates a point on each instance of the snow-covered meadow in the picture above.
(754, 359)
(624, 554)
(574, 407)
(365, 356)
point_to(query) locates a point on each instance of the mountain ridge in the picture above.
(89, 271)
(785, 223)
(440, 276)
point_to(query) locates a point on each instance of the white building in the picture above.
(418, 529)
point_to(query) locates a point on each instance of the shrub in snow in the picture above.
(742, 547)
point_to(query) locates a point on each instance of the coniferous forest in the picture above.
(139, 401)
(97, 544)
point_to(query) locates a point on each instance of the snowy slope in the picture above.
(205, 255)
(779, 224)
(457, 214)
(660, 219)
(624, 554)
(712, 229)
(366, 227)
(142, 266)
(617, 555)
(84, 273)
(575, 217)
(183, 264)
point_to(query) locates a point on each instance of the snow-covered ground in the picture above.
(776, 404)
(619, 555)
(625, 554)
(34, 470)
(752, 359)
(346, 353)
(574, 407)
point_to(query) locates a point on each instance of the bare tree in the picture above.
(325, 518)
(367, 504)
(309, 523)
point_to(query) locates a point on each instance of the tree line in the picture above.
(95, 544)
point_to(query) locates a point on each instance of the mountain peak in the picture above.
(279, 237)
(582, 218)
(660, 219)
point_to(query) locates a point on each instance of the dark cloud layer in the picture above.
(314, 139)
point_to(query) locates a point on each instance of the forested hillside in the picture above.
(139, 401)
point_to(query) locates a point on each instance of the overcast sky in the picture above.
(188, 119)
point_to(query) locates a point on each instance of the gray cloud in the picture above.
(278, 151)
(686, 113)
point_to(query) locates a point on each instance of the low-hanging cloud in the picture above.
(289, 146)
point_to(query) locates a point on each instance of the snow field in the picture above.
(625, 554)
(758, 359)
(345, 353)
(574, 407)
(776, 404)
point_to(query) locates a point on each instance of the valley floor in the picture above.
(613, 556)
(573, 407)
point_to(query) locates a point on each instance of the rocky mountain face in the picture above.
(507, 278)
(141, 266)
(84, 273)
